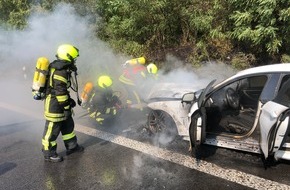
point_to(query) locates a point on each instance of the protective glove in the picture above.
(67, 114)
(72, 103)
(38, 95)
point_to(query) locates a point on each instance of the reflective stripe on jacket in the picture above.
(133, 75)
(57, 99)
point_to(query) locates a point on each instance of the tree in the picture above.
(261, 26)
(14, 12)
(192, 30)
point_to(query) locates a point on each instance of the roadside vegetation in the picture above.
(241, 33)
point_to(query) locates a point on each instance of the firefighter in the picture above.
(103, 104)
(58, 105)
(133, 75)
(152, 70)
(134, 71)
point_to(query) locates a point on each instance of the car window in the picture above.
(232, 108)
(270, 89)
(247, 89)
(283, 96)
(257, 82)
(284, 80)
(250, 90)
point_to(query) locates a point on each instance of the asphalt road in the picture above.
(118, 156)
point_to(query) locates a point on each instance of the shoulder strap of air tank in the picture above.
(49, 82)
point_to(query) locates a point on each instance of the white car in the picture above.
(248, 111)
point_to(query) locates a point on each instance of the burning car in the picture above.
(248, 111)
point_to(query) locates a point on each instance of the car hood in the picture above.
(171, 91)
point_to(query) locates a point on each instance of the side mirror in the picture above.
(188, 98)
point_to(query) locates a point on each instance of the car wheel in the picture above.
(160, 122)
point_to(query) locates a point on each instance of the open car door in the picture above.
(274, 123)
(197, 132)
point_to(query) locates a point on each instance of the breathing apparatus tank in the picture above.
(40, 78)
(86, 93)
(139, 60)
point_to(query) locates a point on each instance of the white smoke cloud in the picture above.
(45, 32)
(19, 51)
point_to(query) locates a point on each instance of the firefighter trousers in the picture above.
(51, 132)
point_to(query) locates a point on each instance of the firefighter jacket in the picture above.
(57, 95)
(103, 101)
(133, 75)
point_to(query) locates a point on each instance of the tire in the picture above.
(161, 124)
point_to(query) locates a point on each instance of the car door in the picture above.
(274, 120)
(198, 122)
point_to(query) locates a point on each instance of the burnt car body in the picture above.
(248, 111)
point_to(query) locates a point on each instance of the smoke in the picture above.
(45, 32)
(19, 51)
(181, 79)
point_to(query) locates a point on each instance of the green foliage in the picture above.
(261, 26)
(131, 47)
(165, 25)
(285, 58)
(193, 30)
(154, 26)
(14, 12)
(242, 61)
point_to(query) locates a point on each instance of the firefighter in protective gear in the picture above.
(152, 69)
(103, 104)
(58, 105)
(134, 71)
(133, 75)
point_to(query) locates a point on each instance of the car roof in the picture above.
(273, 68)
(282, 67)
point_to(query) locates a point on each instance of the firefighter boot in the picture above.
(78, 148)
(53, 158)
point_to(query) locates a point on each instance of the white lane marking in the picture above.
(232, 175)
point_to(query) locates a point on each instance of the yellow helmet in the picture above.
(67, 52)
(105, 81)
(152, 68)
